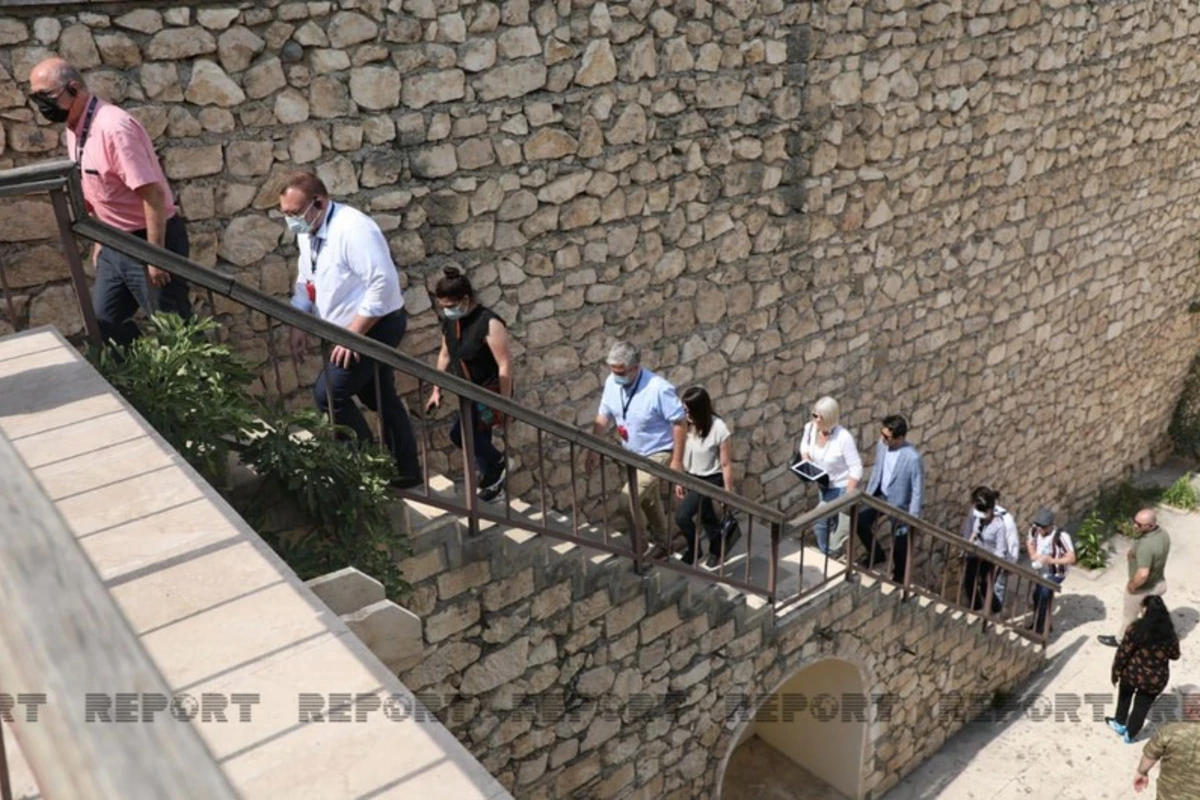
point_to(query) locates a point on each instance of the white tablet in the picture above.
(808, 471)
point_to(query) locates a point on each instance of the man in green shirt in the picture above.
(1147, 561)
(1176, 749)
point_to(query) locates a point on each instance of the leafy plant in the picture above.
(339, 488)
(1091, 547)
(1182, 494)
(322, 503)
(192, 390)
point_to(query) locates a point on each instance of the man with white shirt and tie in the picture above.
(898, 478)
(346, 276)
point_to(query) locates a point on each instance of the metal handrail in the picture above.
(858, 497)
(260, 301)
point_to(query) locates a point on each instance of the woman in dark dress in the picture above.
(1141, 667)
(474, 347)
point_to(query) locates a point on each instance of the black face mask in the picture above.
(49, 108)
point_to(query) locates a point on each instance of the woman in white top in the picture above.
(831, 447)
(706, 456)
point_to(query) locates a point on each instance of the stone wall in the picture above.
(975, 212)
(571, 679)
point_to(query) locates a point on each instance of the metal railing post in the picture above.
(470, 477)
(78, 279)
(637, 534)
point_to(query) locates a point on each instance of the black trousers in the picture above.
(685, 517)
(865, 525)
(1134, 718)
(343, 385)
(120, 288)
(977, 580)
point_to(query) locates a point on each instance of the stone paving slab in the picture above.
(215, 608)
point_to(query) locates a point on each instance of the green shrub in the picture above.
(195, 393)
(192, 391)
(1182, 494)
(1091, 547)
(341, 491)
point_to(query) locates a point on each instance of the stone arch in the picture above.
(818, 717)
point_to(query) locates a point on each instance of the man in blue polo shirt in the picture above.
(651, 422)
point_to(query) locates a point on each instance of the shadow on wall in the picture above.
(815, 720)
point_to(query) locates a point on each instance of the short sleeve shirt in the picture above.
(702, 457)
(644, 412)
(117, 159)
(1150, 552)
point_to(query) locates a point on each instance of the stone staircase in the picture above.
(430, 528)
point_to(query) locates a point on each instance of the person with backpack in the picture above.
(706, 456)
(1051, 552)
(475, 347)
(1141, 668)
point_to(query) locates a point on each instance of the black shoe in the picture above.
(659, 553)
(406, 482)
(1108, 641)
(714, 560)
(492, 482)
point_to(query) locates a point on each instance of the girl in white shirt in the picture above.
(706, 456)
(831, 447)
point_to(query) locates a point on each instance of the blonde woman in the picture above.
(831, 447)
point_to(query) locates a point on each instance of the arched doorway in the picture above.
(806, 739)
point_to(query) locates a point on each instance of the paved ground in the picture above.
(1059, 758)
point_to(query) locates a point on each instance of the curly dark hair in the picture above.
(1154, 628)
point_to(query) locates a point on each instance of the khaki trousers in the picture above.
(650, 510)
(1133, 605)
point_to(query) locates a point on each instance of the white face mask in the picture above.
(300, 224)
(977, 514)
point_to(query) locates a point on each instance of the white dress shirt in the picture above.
(353, 272)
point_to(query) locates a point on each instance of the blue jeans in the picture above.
(827, 525)
(343, 385)
(1041, 601)
(120, 288)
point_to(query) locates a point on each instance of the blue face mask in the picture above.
(454, 312)
(621, 380)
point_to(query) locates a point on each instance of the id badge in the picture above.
(623, 432)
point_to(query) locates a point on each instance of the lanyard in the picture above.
(629, 400)
(86, 129)
(315, 243)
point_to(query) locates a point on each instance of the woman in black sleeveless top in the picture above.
(474, 347)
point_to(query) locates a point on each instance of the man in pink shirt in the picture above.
(123, 185)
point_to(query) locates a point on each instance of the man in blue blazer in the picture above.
(898, 478)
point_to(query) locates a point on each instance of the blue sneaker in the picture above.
(1116, 726)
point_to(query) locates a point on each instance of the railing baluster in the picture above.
(541, 460)
(469, 475)
(423, 437)
(638, 535)
(274, 356)
(380, 423)
(605, 527)
(574, 495)
(326, 355)
(78, 279)
(773, 564)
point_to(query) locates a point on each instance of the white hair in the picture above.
(827, 407)
(624, 354)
